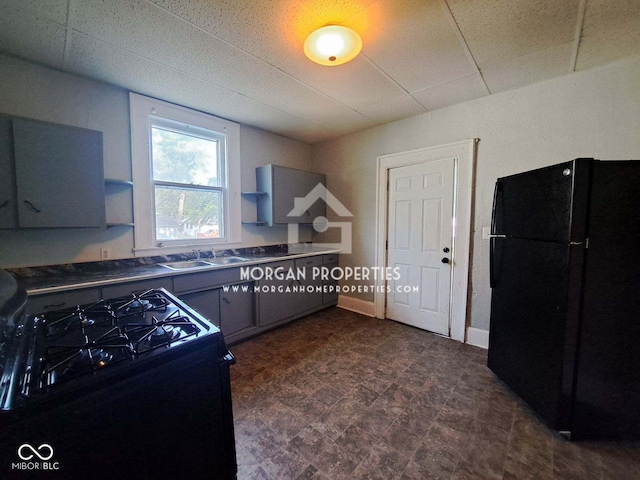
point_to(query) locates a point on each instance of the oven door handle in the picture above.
(228, 359)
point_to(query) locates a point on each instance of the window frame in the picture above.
(147, 112)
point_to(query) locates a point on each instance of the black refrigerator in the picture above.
(565, 304)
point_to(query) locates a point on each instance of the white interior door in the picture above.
(420, 230)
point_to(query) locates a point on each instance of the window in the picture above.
(186, 170)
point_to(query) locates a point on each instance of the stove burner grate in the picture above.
(138, 304)
(63, 321)
(66, 361)
(86, 339)
(159, 333)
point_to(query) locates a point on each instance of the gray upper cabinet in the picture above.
(8, 206)
(282, 185)
(59, 175)
(51, 175)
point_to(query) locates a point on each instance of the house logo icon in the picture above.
(321, 224)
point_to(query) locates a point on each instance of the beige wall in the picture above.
(41, 93)
(589, 114)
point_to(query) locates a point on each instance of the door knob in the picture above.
(445, 260)
(446, 250)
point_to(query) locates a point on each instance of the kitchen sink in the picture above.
(228, 260)
(186, 264)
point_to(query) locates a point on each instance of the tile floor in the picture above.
(338, 395)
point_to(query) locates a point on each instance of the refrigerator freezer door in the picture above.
(544, 204)
(530, 315)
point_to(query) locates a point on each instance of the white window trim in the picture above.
(141, 108)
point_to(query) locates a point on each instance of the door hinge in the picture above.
(586, 243)
(386, 245)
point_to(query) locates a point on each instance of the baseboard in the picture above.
(478, 337)
(356, 305)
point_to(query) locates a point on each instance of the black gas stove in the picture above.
(119, 387)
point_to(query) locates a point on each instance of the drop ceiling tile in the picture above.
(53, 10)
(96, 59)
(357, 84)
(416, 45)
(44, 42)
(149, 31)
(456, 91)
(251, 112)
(499, 30)
(607, 14)
(396, 109)
(541, 65)
(280, 90)
(353, 122)
(605, 46)
(246, 24)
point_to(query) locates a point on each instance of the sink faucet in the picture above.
(197, 254)
(213, 252)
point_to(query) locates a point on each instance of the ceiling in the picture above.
(243, 59)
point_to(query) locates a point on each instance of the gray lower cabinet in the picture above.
(237, 310)
(206, 303)
(287, 298)
(57, 301)
(275, 304)
(309, 295)
(330, 292)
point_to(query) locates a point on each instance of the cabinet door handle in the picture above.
(31, 206)
(225, 300)
(4, 204)
(54, 305)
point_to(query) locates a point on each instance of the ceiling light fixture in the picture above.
(332, 45)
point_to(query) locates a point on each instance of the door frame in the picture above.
(464, 154)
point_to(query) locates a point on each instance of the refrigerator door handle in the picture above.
(492, 259)
(493, 209)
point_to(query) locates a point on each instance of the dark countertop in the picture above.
(59, 278)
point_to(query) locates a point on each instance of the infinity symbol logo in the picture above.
(40, 452)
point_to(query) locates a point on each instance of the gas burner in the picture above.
(164, 334)
(88, 359)
(139, 303)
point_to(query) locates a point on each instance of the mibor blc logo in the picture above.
(35, 458)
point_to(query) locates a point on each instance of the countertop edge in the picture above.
(164, 272)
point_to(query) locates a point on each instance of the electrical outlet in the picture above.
(105, 254)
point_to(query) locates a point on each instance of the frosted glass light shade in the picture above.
(332, 45)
